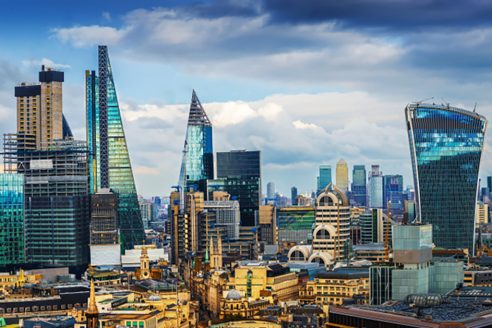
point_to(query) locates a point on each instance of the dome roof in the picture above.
(233, 295)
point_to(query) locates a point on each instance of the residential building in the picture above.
(446, 146)
(109, 159)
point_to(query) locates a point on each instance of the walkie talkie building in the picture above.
(446, 147)
(109, 161)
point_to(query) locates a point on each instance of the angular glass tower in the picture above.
(446, 146)
(198, 161)
(109, 161)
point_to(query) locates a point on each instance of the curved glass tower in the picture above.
(446, 146)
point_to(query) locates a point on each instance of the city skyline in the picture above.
(298, 116)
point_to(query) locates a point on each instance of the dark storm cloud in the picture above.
(388, 14)
(221, 8)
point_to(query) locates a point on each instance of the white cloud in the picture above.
(83, 36)
(44, 61)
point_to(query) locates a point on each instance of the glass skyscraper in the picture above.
(324, 178)
(11, 219)
(446, 146)
(109, 161)
(240, 175)
(198, 161)
(359, 187)
(393, 191)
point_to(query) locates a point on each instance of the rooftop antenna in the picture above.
(475, 108)
(421, 101)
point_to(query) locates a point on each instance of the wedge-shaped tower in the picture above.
(109, 161)
(198, 163)
(446, 147)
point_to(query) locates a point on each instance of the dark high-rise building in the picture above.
(293, 195)
(11, 219)
(359, 187)
(240, 175)
(104, 231)
(56, 200)
(324, 177)
(446, 146)
(489, 184)
(393, 192)
(109, 161)
(198, 162)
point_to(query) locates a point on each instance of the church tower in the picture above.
(144, 264)
(92, 313)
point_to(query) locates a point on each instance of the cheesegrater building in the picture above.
(446, 146)
(109, 161)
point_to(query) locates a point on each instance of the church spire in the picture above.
(92, 313)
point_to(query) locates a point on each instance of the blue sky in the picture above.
(306, 82)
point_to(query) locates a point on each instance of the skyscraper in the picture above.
(239, 174)
(11, 219)
(324, 177)
(342, 175)
(293, 195)
(393, 191)
(359, 187)
(109, 161)
(375, 193)
(198, 162)
(446, 146)
(271, 190)
(39, 107)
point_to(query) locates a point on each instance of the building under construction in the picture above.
(56, 198)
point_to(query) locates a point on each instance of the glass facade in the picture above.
(324, 178)
(198, 163)
(11, 219)
(241, 175)
(109, 160)
(393, 191)
(359, 191)
(295, 224)
(446, 146)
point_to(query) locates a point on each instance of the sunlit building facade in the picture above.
(446, 147)
(342, 175)
(109, 161)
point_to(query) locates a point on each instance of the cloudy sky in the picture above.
(306, 82)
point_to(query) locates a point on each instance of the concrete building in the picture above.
(375, 192)
(267, 225)
(482, 213)
(40, 107)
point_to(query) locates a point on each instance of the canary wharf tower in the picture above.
(446, 146)
(109, 161)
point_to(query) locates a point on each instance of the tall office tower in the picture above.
(374, 226)
(324, 177)
(446, 146)
(331, 230)
(146, 211)
(11, 219)
(198, 162)
(226, 215)
(270, 190)
(56, 200)
(375, 192)
(267, 224)
(110, 165)
(342, 175)
(40, 109)
(104, 232)
(239, 174)
(293, 196)
(393, 192)
(359, 186)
